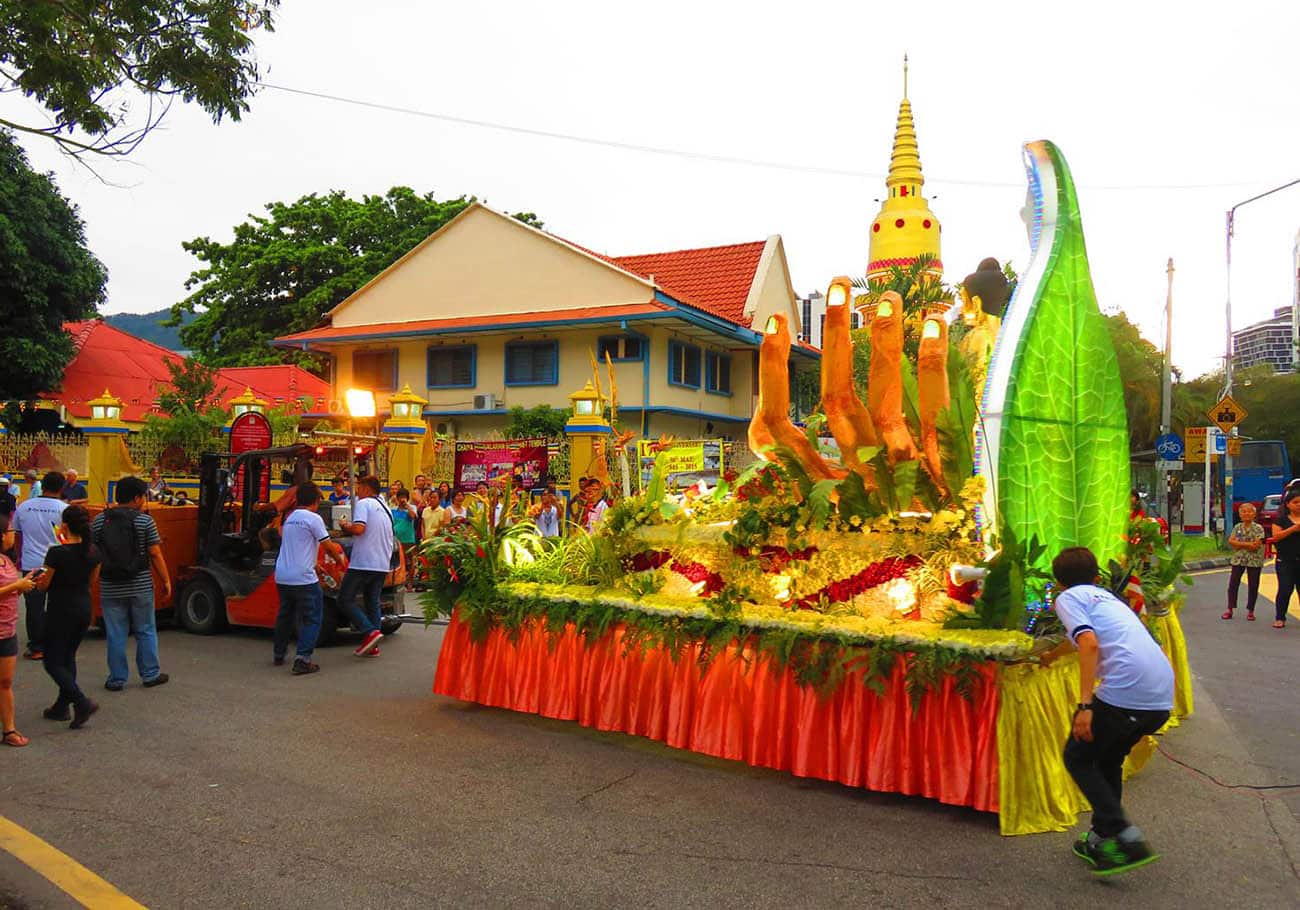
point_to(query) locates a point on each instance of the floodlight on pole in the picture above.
(360, 402)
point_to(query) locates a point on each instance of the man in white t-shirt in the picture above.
(301, 599)
(372, 554)
(1126, 691)
(36, 521)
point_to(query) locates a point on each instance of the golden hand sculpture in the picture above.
(880, 422)
(771, 425)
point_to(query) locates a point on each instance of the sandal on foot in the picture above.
(15, 739)
(1279, 624)
(1227, 614)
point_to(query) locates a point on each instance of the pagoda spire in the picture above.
(905, 227)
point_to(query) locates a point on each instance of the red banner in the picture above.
(251, 431)
(484, 462)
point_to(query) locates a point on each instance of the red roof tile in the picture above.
(715, 279)
(106, 357)
(280, 384)
(335, 333)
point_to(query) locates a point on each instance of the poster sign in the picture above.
(485, 462)
(250, 431)
(685, 462)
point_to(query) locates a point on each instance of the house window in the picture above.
(805, 324)
(532, 363)
(620, 347)
(855, 321)
(684, 364)
(451, 366)
(374, 370)
(717, 373)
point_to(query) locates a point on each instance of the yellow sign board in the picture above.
(1195, 450)
(1227, 414)
(684, 462)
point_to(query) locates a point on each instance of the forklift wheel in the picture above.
(201, 607)
(389, 625)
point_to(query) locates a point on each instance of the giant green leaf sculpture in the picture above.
(1055, 435)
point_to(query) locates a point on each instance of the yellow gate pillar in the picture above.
(588, 433)
(406, 427)
(108, 458)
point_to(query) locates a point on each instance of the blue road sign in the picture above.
(1170, 447)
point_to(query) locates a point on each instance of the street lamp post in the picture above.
(1227, 360)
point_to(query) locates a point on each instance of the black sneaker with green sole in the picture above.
(1112, 856)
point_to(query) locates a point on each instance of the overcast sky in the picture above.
(1199, 96)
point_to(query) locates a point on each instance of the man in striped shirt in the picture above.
(129, 601)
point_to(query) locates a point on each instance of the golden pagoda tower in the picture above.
(905, 227)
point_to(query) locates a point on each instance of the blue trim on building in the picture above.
(713, 359)
(444, 348)
(686, 412)
(587, 428)
(465, 412)
(405, 431)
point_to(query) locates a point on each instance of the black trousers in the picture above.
(1098, 767)
(1252, 586)
(63, 634)
(1287, 575)
(35, 620)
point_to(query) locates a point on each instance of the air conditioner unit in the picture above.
(445, 428)
(485, 402)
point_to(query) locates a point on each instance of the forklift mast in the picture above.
(216, 473)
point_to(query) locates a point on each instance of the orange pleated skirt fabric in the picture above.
(738, 708)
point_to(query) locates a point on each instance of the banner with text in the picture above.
(687, 462)
(525, 460)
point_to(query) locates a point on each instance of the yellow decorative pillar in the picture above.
(406, 428)
(107, 434)
(588, 433)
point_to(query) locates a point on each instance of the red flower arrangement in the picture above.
(647, 560)
(847, 588)
(774, 559)
(696, 573)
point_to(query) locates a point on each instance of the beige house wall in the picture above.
(483, 263)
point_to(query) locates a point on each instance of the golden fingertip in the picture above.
(930, 329)
(886, 309)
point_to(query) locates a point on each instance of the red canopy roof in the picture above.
(135, 371)
(716, 279)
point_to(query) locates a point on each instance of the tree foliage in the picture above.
(47, 276)
(193, 388)
(542, 420)
(86, 61)
(1140, 366)
(284, 271)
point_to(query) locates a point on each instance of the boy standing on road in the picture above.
(301, 598)
(127, 538)
(1133, 699)
(36, 521)
(372, 554)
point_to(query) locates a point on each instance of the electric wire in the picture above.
(716, 158)
(1214, 780)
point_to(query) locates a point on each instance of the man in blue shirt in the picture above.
(372, 555)
(301, 598)
(37, 520)
(1126, 691)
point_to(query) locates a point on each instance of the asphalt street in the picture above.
(239, 785)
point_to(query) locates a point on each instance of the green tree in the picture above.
(1140, 367)
(85, 61)
(542, 420)
(193, 389)
(47, 276)
(284, 271)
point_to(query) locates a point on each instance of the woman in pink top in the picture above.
(11, 585)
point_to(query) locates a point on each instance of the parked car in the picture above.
(1269, 510)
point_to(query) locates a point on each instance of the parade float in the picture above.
(867, 610)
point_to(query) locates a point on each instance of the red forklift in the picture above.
(232, 578)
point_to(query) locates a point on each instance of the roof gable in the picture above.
(107, 357)
(483, 262)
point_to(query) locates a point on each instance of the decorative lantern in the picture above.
(106, 408)
(247, 402)
(588, 407)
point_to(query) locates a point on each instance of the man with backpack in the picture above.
(128, 540)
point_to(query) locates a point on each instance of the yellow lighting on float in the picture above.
(838, 295)
(771, 327)
(781, 587)
(902, 594)
(360, 402)
(698, 588)
(930, 329)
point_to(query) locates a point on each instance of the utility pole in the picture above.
(1227, 360)
(1166, 385)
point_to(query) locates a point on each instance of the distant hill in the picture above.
(149, 327)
